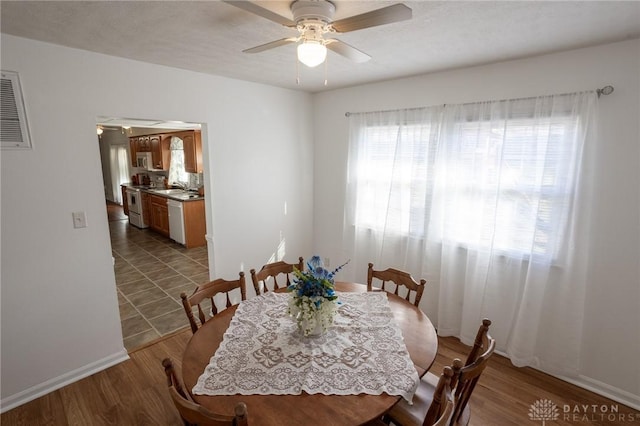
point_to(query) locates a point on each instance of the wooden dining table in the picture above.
(306, 409)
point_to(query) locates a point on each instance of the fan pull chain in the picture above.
(325, 70)
(297, 71)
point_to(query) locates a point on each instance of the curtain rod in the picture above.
(606, 90)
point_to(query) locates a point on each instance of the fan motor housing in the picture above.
(313, 10)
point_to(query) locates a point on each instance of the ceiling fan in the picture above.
(313, 19)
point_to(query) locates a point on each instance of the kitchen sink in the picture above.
(169, 191)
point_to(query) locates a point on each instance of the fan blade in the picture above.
(346, 50)
(271, 45)
(386, 15)
(261, 11)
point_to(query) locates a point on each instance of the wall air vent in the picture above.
(14, 131)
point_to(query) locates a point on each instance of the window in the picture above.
(470, 177)
(511, 184)
(489, 201)
(391, 175)
(177, 172)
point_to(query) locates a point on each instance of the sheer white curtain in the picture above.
(119, 170)
(505, 220)
(389, 187)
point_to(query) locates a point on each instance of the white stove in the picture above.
(136, 212)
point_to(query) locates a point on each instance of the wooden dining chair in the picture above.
(272, 272)
(441, 408)
(440, 404)
(463, 382)
(466, 383)
(398, 278)
(192, 413)
(207, 292)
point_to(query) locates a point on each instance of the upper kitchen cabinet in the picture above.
(160, 154)
(144, 144)
(133, 148)
(138, 144)
(192, 145)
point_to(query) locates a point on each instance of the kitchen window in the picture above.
(177, 172)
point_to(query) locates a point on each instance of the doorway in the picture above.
(151, 270)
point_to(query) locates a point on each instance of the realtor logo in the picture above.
(543, 410)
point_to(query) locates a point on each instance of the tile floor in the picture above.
(151, 272)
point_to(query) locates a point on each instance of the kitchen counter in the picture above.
(188, 210)
(174, 194)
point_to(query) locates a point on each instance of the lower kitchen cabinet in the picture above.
(194, 223)
(146, 206)
(125, 201)
(156, 212)
(159, 215)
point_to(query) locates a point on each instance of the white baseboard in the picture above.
(58, 382)
(595, 386)
(606, 390)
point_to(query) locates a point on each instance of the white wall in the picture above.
(60, 317)
(59, 314)
(611, 346)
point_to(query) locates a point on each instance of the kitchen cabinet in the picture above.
(144, 144)
(194, 223)
(125, 201)
(138, 144)
(192, 144)
(160, 154)
(133, 149)
(159, 215)
(159, 146)
(146, 205)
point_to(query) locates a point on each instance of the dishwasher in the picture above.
(176, 221)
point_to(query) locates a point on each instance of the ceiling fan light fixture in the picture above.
(312, 53)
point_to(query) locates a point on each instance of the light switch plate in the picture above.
(79, 219)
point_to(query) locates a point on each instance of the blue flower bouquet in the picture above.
(313, 302)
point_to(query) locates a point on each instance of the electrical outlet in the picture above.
(327, 262)
(79, 219)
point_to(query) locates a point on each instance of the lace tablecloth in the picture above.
(263, 353)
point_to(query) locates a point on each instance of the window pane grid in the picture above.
(391, 178)
(511, 179)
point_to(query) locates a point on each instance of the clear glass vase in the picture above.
(308, 328)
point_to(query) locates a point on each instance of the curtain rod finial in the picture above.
(606, 90)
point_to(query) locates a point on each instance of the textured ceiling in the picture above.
(209, 36)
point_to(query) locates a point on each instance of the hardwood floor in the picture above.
(131, 393)
(135, 393)
(504, 394)
(115, 212)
